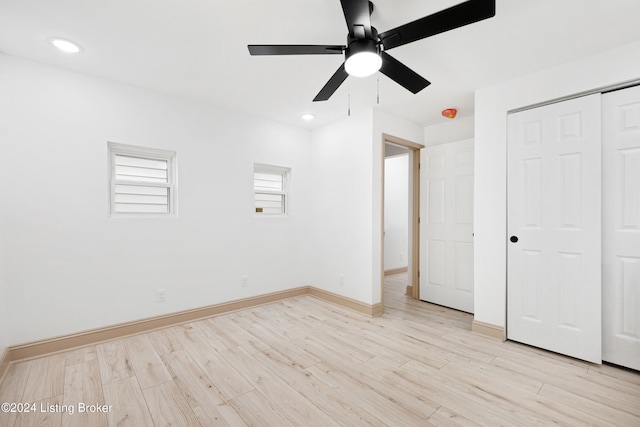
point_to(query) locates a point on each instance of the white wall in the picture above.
(347, 158)
(4, 303)
(70, 267)
(5, 340)
(492, 104)
(396, 211)
(449, 130)
(341, 239)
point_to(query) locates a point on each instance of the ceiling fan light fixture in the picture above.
(363, 64)
(362, 57)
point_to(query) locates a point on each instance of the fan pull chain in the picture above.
(378, 88)
(349, 104)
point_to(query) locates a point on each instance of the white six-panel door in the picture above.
(446, 233)
(554, 204)
(621, 227)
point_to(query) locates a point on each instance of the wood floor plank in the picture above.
(73, 394)
(504, 376)
(406, 400)
(340, 342)
(443, 417)
(534, 408)
(46, 377)
(372, 402)
(41, 413)
(201, 394)
(226, 331)
(222, 374)
(128, 405)
(92, 394)
(626, 376)
(12, 389)
(596, 409)
(610, 394)
(114, 361)
(294, 406)
(257, 410)
(253, 344)
(164, 341)
(512, 404)
(450, 393)
(14, 382)
(263, 334)
(410, 347)
(168, 407)
(82, 354)
(209, 336)
(145, 361)
(326, 398)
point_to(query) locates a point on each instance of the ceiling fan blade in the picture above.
(295, 49)
(402, 74)
(358, 17)
(454, 17)
(332, 85)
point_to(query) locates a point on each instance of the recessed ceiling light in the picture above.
(307, 117)
(65, 45)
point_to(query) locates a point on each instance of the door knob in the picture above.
(514, 239)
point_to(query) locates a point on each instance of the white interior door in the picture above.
(446, 273)
(621, 227)
(554, 205)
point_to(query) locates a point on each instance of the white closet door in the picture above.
(621, 227)
(554, 204)
(446, 273)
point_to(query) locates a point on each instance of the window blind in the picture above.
(142, 180)
(270, 189)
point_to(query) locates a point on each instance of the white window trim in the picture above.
(286, 173)
(147, 153)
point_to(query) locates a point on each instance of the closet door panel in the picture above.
(554, 228)
(621, 227)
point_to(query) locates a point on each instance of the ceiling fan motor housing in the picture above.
(357, 45)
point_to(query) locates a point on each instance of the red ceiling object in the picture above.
(449, 113)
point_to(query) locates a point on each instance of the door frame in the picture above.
(413, 288)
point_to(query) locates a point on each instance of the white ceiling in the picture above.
(198, 49)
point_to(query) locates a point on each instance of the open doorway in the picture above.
(400, 216)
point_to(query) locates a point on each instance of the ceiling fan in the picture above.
(365, 52)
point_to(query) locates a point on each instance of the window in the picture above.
(271, 189)
(142, 181)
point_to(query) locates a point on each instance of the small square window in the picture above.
(271, 189)
(142, 181)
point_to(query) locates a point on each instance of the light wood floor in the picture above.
(304, 362)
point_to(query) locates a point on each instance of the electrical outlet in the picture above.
(161, 295)
(341, 279)
(244, 281)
